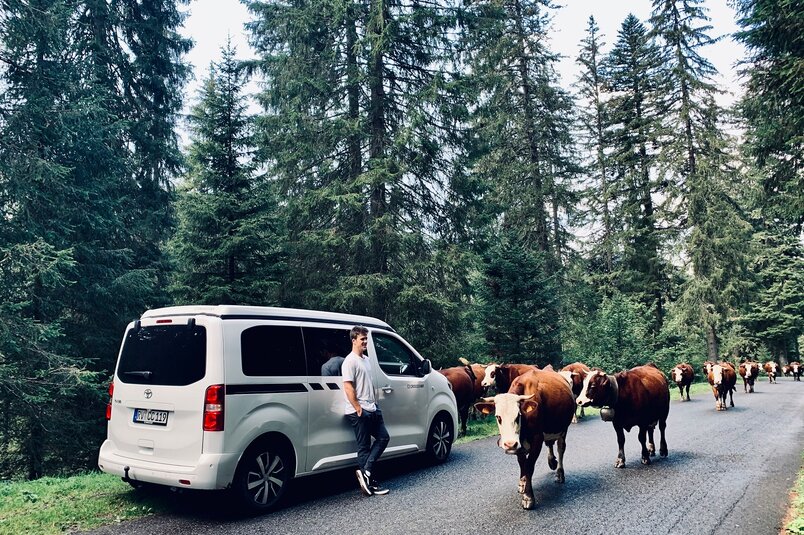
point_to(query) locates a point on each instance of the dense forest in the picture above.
(416, 161)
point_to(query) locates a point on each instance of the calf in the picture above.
(536, 410)
(723, 379)
(637, 397)
(461, 381)
(683, 375)
(574, 373)
(749, 371)
(772, 370)
(501, 376)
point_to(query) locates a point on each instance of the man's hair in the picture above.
(356, 331)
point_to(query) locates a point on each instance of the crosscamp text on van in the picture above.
(233, 397)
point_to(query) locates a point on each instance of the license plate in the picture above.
(150, 416)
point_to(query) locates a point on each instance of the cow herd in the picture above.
(534, 407)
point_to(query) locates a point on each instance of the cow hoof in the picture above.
(663, 453)
(527, 503)
(560, 475)
(552, 463)
(645, 460)
(619, 463)
(652, 450)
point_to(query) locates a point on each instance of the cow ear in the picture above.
(485, 407)
(528, 406)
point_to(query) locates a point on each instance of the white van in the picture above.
(215, 397)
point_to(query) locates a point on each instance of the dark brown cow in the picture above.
(795, 370)
(723, 380)
(771, 370)
(462, 382)
(537, 409)
(749, 371)
(575, 373)
(501, 376)
(683, 375)
(637, 397)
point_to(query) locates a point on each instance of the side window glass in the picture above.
(394, 357)
(269, 350)
(326, 349)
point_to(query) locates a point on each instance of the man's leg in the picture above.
(361, 426)
(381, 439)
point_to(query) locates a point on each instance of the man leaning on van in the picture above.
(362, 411)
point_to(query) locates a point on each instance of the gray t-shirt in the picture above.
(332, 366)
(357, 369)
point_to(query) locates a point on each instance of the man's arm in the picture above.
(351, 395)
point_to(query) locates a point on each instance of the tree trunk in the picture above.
(712, 343)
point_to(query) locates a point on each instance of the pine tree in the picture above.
(634, 128)
(773, 105)
(228, 245)
(360, 129)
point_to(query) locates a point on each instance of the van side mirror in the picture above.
(426, 367)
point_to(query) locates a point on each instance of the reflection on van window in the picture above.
(394, 357)
(268, 350)
(326, 349)
(174, 355)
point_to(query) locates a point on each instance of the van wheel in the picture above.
(262, 476)
(440, 438)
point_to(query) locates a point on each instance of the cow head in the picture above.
(490, 376)
(596, 390)
(717, 374)
(509, 410)
(677, 374)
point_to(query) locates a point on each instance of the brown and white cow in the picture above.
(574, 373)
(706, 367)
(461, 381)
(795, 370)
(637, 397)
(723, 380)
(479, 372)
(683, 374)
(501, 376)
(772, 370)
(536, 410)
(749, 371)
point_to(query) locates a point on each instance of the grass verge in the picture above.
(794, 521)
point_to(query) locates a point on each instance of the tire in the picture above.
(262, 476)
(440, 438)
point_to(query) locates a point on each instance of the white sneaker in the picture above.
(364, 482)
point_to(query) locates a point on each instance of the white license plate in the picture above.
(150, 416)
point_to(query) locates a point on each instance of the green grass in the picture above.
(62, 505)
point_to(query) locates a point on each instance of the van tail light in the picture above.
(213, 408)
(109, 405)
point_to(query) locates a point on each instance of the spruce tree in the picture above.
(634, 125)
(228, 244)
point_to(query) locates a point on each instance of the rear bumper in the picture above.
(209, 472)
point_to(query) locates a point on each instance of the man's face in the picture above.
(359, 344)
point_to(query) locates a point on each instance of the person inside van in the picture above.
(333, 364)
(362, 411)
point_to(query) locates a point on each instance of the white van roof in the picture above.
(274, 313)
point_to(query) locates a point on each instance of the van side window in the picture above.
(326, 349)
(267, 350)
(394, 357)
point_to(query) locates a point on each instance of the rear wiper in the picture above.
(146, 374)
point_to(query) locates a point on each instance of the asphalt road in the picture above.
(727, 473)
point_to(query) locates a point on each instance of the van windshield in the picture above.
(173, 355)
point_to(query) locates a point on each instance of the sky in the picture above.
(210, 22)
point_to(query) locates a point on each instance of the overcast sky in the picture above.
(210, 21)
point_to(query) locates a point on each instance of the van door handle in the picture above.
(387, 389)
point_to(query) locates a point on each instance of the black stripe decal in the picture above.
(316, 386)
(265, 388)
(333, 386)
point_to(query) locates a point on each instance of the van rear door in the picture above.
(158, 400)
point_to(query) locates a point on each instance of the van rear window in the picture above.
(173, 355)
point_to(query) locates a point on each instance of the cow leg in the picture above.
(528, 501)
(651, 444)
(522, 459)
(662, 441)
(620, 462)
(575, 415)
(562, 446)
(645, 453)
(688, 392)
(731, 398)
(463, 415)
(551, 457)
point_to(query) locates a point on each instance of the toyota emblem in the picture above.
(148, 393)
